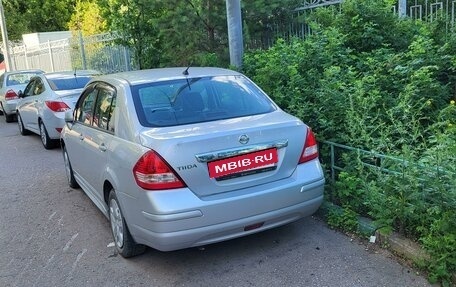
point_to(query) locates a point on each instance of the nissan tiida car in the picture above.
(177, 158)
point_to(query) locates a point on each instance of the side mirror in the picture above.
(20, 94)
(69, 116)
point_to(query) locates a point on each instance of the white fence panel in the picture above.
(98, 52)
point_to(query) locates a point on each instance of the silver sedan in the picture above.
(177, 158)
(11, 83)
(42, 105)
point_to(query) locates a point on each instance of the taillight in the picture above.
(152, 172)
(310, 150)
(11, 95)
(57, 106)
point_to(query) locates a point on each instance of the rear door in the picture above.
(90, 137)
(28, 105)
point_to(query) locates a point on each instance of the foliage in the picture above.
(47, 16)
(192, 29)
(345, 219)
(387, 90)
(135, 20)
(263, 19)
(16, 23)
(87, 18)
(180, 33)
(31, 16)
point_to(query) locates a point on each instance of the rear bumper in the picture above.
(53, 121)
(209, 221)
(224, 231)
(9, 107)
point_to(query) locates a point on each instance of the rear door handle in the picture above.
(81, 137)
(102, 147)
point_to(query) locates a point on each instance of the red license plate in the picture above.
(243, 162)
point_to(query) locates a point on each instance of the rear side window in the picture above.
(103, 109)
(97, 107)
(198, 100)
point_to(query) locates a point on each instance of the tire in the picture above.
(47, 142)
(69, 170)
(8, 118)
(125, 245)
(22, 129)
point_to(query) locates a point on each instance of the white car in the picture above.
(11, 83)
(42, 106)
(177, 157)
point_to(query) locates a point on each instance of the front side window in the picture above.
(198, 100)
(38, 88)
(30, 88)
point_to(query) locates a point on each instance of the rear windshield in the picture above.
(68, 83)
(198, 100)
(20, 78)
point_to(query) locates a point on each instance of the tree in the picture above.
(194, 32)
(48, 16)
(87, 18)
(16, 23)
(184, 32)
(136, 21)
(30, 16)
(261, 17)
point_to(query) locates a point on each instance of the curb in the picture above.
(394, 242)
(400, 245)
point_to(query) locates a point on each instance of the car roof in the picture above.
(163, 74)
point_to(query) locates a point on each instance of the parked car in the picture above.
(10, 85)
(42, 105)
(177, 158)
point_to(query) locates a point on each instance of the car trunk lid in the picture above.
(70, 97)
(227, 155)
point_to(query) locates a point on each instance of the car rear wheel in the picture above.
(9, 118)
(123, 241)
(22, 129)
(69, 170)
(48, 143)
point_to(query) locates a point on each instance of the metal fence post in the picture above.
(26, 58)
(51, 57)
(127, 59)
(83, 56)
(402, 8)
(333, 177)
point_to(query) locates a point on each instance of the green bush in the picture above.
(390, 90)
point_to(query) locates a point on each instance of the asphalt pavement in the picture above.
(52, 235)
